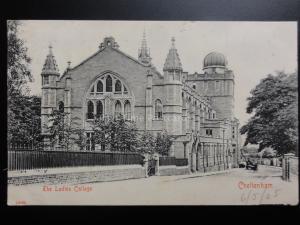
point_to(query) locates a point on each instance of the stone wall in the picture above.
(290, 165)
(77, 175)
(173, 170)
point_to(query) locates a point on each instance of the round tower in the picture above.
(172, 109)
(50, 75)
(219, 84)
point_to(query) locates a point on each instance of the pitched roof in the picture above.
(122, 53)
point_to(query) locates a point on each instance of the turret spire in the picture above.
(172, 60)
(144, 52)
(50, 49)
(50, 67)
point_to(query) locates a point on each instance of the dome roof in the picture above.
(214, 59)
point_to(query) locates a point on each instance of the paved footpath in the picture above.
(237, 186)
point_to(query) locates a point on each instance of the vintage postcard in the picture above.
(152, 113)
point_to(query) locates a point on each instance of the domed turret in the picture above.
(215, 60)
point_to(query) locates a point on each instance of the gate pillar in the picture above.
(286, 167)
(156, 158)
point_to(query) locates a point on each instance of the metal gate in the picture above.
(151, 167)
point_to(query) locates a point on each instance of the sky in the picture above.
(253, 49)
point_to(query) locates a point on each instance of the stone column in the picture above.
(172, 150)
(214, 148)
(156, 157)
(286, 168)
(146, 164)
(184, 150)
(149, 103)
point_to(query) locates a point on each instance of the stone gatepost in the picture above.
(172, 148)
(156, 158)
(193, 163)
(146, 164)
(184, 150)
(286, 167)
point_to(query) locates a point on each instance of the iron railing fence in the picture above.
(35, 159)
(181, 162)
(166, 160)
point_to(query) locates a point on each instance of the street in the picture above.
(237, 187)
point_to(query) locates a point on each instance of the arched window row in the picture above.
(108, 84)
(96, 109)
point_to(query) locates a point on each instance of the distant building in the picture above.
(196, 109)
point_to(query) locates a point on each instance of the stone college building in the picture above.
(196, 109)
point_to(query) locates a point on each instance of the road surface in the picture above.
(237, 187)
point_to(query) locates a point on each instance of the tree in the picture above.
(147, 143)
(18, 71)
(24, 122)
(64, 131)
(163, 143)
(116, 134)
(274, 123)
(268, 153)
(21, 117)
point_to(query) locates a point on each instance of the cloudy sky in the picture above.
(253, 49)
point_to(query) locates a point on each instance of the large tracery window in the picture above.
(90, 110)
(158, 109)
(127, 110)
(99, 86)
(118, 86)
(108, 84)
(109, 96)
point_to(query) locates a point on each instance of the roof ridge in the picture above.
(117, 50)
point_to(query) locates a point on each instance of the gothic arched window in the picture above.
(158, 109)
(90, 110)
(99, 86)
(127, 110)
(99, 111)
(61, 107)
(108, 84)
(118, 108)
(118, 86)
